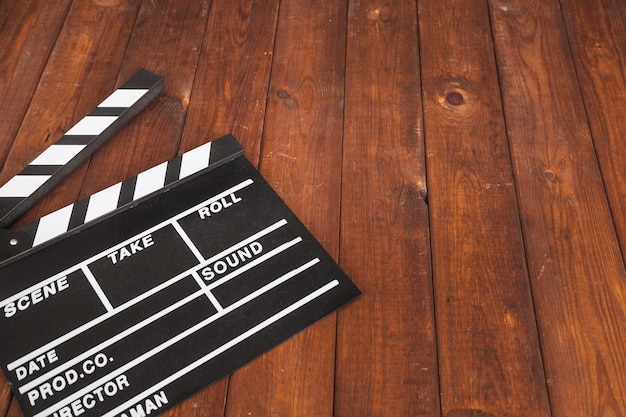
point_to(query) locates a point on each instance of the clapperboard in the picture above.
(130, 301)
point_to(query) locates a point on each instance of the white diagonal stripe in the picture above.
(22, 185)
(57, 155)
(53, 224)
(150, 180)
(103, 202)
(91, 125)
(123, 97)
(195, 160)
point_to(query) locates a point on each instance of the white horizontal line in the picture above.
(225, 347)
(109, 342)
(254, 263)
(244, 242)
(187, 333)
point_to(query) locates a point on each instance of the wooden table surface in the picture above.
(463, 160)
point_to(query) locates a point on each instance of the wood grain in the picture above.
(5, 395)
(489, 357)
(301, 159)
(81, 70)
(14, 409)
(386, 350)
(24, 51)
(597, 41)
(230, 91)
(577, 271)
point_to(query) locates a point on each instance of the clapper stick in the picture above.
(23, 190)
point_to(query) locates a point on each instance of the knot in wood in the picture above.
(287, 99)
(423, 194)
(383, 14)
(550, 175)
(108, 3)
(456, 94)
(283, 94)
(509, 8)
(454, 98)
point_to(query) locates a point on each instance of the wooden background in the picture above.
(463, 160)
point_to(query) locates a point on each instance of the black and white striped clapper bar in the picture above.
(128, 302)
(73, 148)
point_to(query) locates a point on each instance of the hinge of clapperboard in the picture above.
(47, 170)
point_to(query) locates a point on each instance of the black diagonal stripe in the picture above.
(8, 203)
(40, 169)
(79, 211)
(172, 173)
(74, 140)
(108, 111)
(30, 229)
(127, 191)
(224, 149)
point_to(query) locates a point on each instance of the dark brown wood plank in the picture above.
(14, 409)
(489, 357)
(386, 353)
(577, 271)
(229, 96)
(5, 396)
(596, 35)
(301, 159)
(24, 50)
(206, 403)
(81, 70)
(230, 91)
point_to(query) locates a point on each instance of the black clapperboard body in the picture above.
(128, 302)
